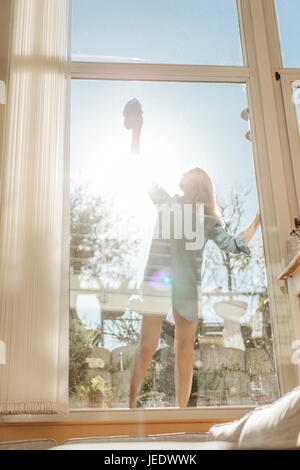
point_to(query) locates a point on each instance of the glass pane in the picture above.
(127, 277)
(297, 100)
(288, 13)
(157, 31)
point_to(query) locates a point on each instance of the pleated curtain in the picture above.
(34, 215)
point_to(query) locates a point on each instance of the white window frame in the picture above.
(288, 132)
(277, 207)
(288, 82)
(283, 94)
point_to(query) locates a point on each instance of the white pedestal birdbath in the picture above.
(231, 311)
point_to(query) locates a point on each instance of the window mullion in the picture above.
(273, 34)
(158, 72)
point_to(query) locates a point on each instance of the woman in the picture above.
(197, 190)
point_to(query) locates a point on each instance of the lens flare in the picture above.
(162, 280)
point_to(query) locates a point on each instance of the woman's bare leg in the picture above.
(184, 352)
(150, 334)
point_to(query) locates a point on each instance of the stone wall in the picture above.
(114, 368)
(222, 376)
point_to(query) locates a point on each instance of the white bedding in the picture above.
(154, 445)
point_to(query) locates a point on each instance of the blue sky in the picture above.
(288, 12)
(168, 31)
(185, 124)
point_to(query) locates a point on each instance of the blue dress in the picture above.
(186, 264)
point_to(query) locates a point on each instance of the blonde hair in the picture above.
(203, 192)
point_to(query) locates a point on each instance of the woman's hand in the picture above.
(257, 220)
(253, 227)
(133, 120)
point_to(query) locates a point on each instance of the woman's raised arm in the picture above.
(133, 120)
(251, 230)
(237, 244)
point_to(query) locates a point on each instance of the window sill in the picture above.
(109, 423)
(136, 415)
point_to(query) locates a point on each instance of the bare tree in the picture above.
(125, 329)
(234, 273)
(96, 250)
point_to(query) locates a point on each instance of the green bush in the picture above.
(80, 348)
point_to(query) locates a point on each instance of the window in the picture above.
(160, 31)
(193, 116)
(288, 16)
(118, 274)
(290, 88)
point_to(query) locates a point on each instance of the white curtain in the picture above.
(34, 215)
